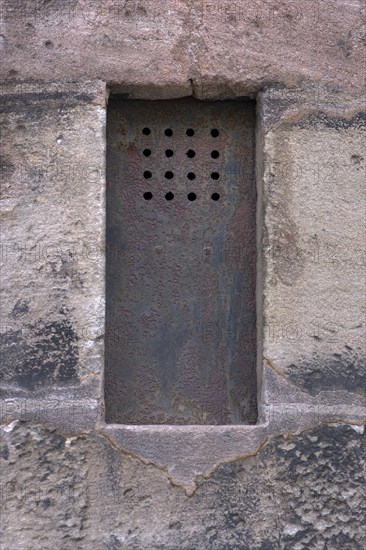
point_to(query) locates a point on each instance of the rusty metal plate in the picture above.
(181, 262)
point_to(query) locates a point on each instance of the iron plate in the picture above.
(180, 281)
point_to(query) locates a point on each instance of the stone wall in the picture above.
(296, 479)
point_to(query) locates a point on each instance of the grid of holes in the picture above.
(190, 175)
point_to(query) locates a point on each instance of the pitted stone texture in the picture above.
(305, 490)
(162, 49)
(46, 499)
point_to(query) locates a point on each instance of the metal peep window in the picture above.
(181, 262)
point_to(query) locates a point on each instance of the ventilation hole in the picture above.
(215, 175)
(169, 175)
(148, 196)
(168, 132)
(192, 196)
(214, 132)
(215, 196)
(215, 154)
(146, 131)
(190, 153)
(169, 196)
(147, 174)
(147, 152)
(190, 132)
(169, 153)
(191, 175)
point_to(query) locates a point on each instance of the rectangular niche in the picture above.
(181, 262)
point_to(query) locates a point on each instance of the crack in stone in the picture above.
(272, 366)
(190, 489)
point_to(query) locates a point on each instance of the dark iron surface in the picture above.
(180, 287)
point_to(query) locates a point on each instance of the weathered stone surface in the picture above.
(169, 48)
(52, 257)
(314, 242)
(342, 371)
(299, 491)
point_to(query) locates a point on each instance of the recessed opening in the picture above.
(180, 338)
